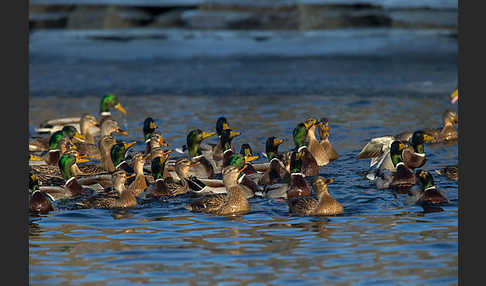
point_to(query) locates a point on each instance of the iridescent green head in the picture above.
(237, 160)
(396, 149)
(271, 146)
(118, 152)
(425, 178)
(109, 101)
(158, 165)
(300, 132)
(149, 127)
(221, 124)
(296, 161)
(68, 130)
(246, 150)
(194, 139)
(65, 163)
(227, 136)
(418, 139)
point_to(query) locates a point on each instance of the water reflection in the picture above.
(382, 236)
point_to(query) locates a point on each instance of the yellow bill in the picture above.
(120, 108)
(128, 145)
(194, 164)
(207, 134)
(243, 168)
(250, 158)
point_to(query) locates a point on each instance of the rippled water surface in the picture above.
(382, 238)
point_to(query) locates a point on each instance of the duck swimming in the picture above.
(324, 130)
(447, 132)
(307, 163)
(450, 172)
(108, 101)
(118, 197)
(39, 202)
(232, 203)
(315, 148)
(322, 204)
(205, 169)
(429, 194)
(167, 187)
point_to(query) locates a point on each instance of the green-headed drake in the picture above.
(324, 131)
(320, 204)
(231, 203)
(117, 154)
(429, 194)
(39, 202)
(309, 166)
(224, 144)
(51, 142)
(108, 101)
(205, 169)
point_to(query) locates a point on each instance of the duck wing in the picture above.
(376, 149)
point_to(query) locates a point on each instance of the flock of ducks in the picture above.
(80, 164)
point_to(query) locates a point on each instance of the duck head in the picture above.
(159, 158)
(396, 149)
(450, 117)
(418, 139)
(221, 124)
(183, 165)
(109, 101)
(271, 146)
(67, 161)
(300, 132)
(231, 174)
(226, 137)
(425, 179)
(69, 131)
(320, 184)
(194, 139)
(118, 152)
(149, 127)
(110, 126)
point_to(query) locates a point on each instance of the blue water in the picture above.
(381, 238)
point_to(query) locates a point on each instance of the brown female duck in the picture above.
(447, 132)
(315, 148)
(168, 187)
(139, 185)
(231, 203)
(122, 198)
(322, 204)
(324, 130)
(450, 172)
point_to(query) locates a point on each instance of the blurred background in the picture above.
(250, 46)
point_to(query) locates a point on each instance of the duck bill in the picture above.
(225, 126)
(166, 152)
(122, 132)
(131, 176)
(128, 145)
(81, 160)
(329, 181)
(35, 158)
(79, 136)
(153, 126)
(454, 96)
(308, 124)
(242, 169)
(194, 164)
(207, 134)
(120, 108)
(250, 158)
(278, 142)
(162, 142)
(428, 138)
(234, 134)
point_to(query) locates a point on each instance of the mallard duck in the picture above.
(205, 169)
(307, 162)
(139, 185)
(414, 155)
(106, 164)
(49, 159)
(117, 197)
(295, 185)
(378, 149)
(224, 144)
(447, 132)
(315, 148)
(72, 188)
(51, 142)
(108, 101)
(324, 130)
(92, 151)
(231, 203)
(429, 194)
(39, 202)
(166, 186)
(86, 124)
(117, 154)
(149, 127)
(221, 124)
(450, 172)
(156, 140)
(455, 96)
(322, 204)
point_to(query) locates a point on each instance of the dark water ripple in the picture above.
(382, 238)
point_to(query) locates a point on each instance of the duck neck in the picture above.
(106, 161)
(158, 165)
(195, 149)
(311, 134)
(86, 133)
